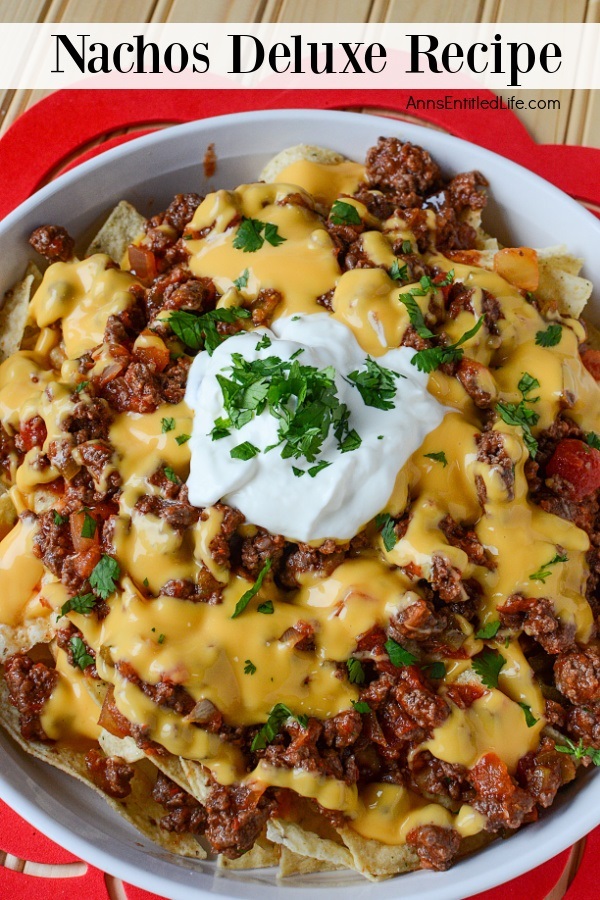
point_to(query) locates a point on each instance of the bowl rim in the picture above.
(455, 883)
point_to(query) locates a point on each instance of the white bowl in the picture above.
(524, 210)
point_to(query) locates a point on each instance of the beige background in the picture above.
(577, 121)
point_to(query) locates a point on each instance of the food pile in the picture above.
(380, 700)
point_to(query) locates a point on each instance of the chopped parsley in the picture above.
(58, 519)
(81, 657)
(544, 571)
(252, 233)
(550, 337)
(356, 673)
(488, 665)
(592, 439)
(433, 357)
(426, 285)
(488, 631)
(146, 583)
(352, 441)
(435, 670)
(104, 576)
(221, 428)
(527, 384)
(161, 639)
(530, 719)
(82, 603)
(267, 609)
(398, 655)
(81, 386)
(245, 599)
(361, 707)
(171, 475)
(438, 457)
(385, 524)
(344, 214)
(88, 529)
(398, 272)
(264, 342)
(182, 438)
(522, 416)
(578, 751)
(242, 280)
(200, 332)
(249, 667)
(167, 424)
(298, 472)
(270, 729)
(376, 385)
(314, 470)
(406, 247)
(243, 451)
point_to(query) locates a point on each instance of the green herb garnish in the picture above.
(530, 719)
(88, 529)
(550, 337)
(252, 592)
(488, 665)
(242, 281)
(578, 751)
(167, 424)
(398, 655)
(244, 451)
(376, 385)
(82, 603)
(398, 272)
(81, 657)
(385, 524)
(200, 332)
(544, 571)
(267, 609)
(522, 416)
(182, 438)
(249, 667)
(270, 729)
(488, 631)
(252, 233)
(356, 673)
(438, 457)
(58, 519)
(361, 707)
(527, 384)
(433, 357)
(104, 576)
(171, 475)
(344, 214)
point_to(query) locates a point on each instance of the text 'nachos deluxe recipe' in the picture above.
(301, 518)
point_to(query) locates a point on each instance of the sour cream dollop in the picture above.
(341, 498)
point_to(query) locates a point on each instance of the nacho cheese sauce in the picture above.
(201, 646)
(356, 485)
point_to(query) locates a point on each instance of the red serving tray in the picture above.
(58, 133)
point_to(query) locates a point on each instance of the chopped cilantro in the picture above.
(406, 247)
(522, 416)
(593, 439)
(314, 470)
(356, 673)
(146, 583)
(182, 438)
(361, 707)
(81, 386)
(376, 385)
(550, 337)
(385, 524)
(88, 529)
(264, 342)
(249, 667)
(527, 384)
(81, 657)
(436, 670)
(242, 280)
(252, 592)
(221, 428)
(171, 475)
(433, 357)
(438, 457)
(488, 631)
(544, 571)
(82, 603)
(415, 315)
(578, 751)
(344, 214)
(398, 655)
(244, 451)
(270, 729)
(267, 609)
(161, 639)
(252, 233)
(530, 719)
(352, 441)
(398, 272)
(167, 424)
(58, 519)
(298, 472)
(200, 332)
(488, 665)
(104, 575)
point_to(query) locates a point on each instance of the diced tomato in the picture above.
(158, 357)
(591, 360)
(142, 263)
(463, 695)
(579, 466)
(32, 433)
(80, 543)
(466, 257)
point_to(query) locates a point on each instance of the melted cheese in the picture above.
(324, 182)
(20, 571)
(70, 713)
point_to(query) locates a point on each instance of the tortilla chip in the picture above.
(377, 861)
(306, 843)
(261, 856)
(294, 154)
(125, 747)
(8, 513)
(139, 809)
(13, 314)
(291, 863)
(593, 335)
(21, 638)
(121, 228)
(561, 283)
(198, 779)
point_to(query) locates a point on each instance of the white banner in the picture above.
(301, 55)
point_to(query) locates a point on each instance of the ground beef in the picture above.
(264, 306)
(179, 514)
(194, 295)
(158, 293)
(298, 747)
(465, 538)
(138, 390)
(459, 299)
(543, 772)
(492, 311)
(471, 374)
(326, 300)
(418, 621)
(64, 637)
(380, 205)
(185, 815)
(583, 723)
(236, 815)
(29, 686)
(490, 450)
(577, 676)
(403, 169)
(53, 242)
(89, 421)
(97, 457)
(435, 846)
(220, 545)
(413, 339)
(430, 775)
(536, 616)
(446, 580)
(256, 550)
(497, 795)
(110, 773)
(344, 236)
(181, 210)
(304, 558)
(52, 543)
